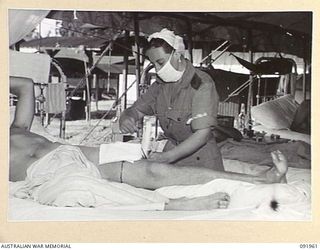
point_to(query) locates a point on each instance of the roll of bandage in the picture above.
(146, 136)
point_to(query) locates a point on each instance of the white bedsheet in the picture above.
(26, 210)
(20, 209)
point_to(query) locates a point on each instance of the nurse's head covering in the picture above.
(173, 40)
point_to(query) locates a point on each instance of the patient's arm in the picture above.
(24, 89)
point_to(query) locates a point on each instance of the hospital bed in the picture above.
(28, 210)
(276, 116)
(296, 210)
(242, 157)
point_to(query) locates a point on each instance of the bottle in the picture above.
(242, 118)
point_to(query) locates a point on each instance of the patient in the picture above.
(26, 149)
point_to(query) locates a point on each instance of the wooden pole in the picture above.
(137, 51)
(206, 51)
(251, 78)
(88, 89)
(249, 102)
(125, 69)
(304, 89)
(95, 85)
(258, 93)
(190, 42)
(63, 125)
(137, 61)
(63, 80)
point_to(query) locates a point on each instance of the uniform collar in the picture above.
(186, 77)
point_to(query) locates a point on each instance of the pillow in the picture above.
(276, 114)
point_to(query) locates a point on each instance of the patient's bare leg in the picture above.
(153, 175)
(214, 201)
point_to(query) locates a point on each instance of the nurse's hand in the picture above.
(127, 124)
(163, 157)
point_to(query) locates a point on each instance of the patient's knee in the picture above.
(157, 174)
(146, 174)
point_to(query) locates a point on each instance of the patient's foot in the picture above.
(276, 174)
(214, 201)
(280, 162)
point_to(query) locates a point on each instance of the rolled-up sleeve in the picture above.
(146, 103)
(205, 107)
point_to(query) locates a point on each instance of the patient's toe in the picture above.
(223, 204)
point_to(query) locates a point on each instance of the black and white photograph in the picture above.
(159, 115)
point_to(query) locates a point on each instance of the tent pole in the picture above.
(249, 102)
(206, 52)
(137, 51)
(190, 43)
(88, 90)
(304, 91)
(137, 60)
(62, 125)
(251, 78)
(258, 94)
(125, 70)
(95, 85)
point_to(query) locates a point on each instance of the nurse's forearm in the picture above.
(128, 120)
(190, 145)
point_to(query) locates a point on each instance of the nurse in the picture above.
(185, 101)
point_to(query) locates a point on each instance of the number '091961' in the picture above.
(309, 246)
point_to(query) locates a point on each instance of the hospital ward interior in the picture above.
(159, 115)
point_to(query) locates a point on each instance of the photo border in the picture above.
(159, 231)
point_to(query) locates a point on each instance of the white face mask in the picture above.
(168, 73)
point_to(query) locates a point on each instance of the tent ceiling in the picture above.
(288, 32)
(299, 22)
(65, 42)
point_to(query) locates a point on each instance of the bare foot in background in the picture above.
(276, 174)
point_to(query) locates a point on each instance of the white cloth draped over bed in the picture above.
(64, 177)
